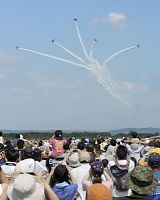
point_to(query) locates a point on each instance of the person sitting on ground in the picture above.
(15, 140)
(28, 164)
(57, 142)
(154, 163)
(142, 181)
(28, 187)
(118, 170)
(90, 150)
(135, 146)
(8, 168)
(63, 182)
(98, 192)
(110, 153)
(83, 166)
(94, 175)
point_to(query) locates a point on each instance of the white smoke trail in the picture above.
(70, 52)
(55, 58)
(81, 42)
(91, 48)
(117, 53)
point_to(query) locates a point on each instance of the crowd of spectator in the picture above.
(79, 169)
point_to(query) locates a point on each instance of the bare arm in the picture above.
(72, 178)
(4, 195)
(3, 178)
(50, 193)
(50, 174)
(86, 177)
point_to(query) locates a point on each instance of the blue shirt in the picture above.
(65, 191)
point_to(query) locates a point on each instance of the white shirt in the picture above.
(79, 173)
(8, 168)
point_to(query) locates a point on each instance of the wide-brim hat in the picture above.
(25, 187)
(142, 180)
(73, 160)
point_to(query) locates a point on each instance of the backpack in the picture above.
(120, 174)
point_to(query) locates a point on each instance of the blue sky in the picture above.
(42, 93)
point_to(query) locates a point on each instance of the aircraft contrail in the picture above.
(100, 71)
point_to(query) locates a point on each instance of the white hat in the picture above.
(25, 187)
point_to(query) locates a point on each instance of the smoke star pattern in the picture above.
(98, 70)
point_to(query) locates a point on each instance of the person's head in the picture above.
(105, 163)
(28, 152)
(40, 143)
(90, 147)
(37, 154)
(81, 145)
(60, 175)
(99, 140)
(142, 180)
(12, 155)
(17, 136)
(8, 142)
(121, 152)
(113, 142)
(99, 192)
(97, 171)
(97, 147)
(133, 134)
(152, 143)
(154, 161)
(58, 135)
(1, 133)
(20, 144)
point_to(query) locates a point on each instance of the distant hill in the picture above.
(138, 130)
(113, 132)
